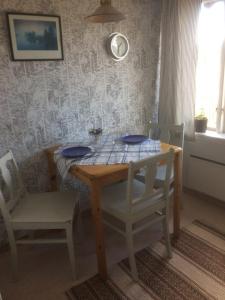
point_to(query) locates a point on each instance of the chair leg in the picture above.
(167, 236)
(130, 247)
(13, 250)
(71, 249)
(79, 221)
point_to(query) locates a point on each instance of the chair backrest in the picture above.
(11, 185)
(149, 166)
(167, 133)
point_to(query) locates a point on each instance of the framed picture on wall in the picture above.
(35, 37)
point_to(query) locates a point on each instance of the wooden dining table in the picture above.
(98, 176)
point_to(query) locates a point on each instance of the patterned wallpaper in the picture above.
(44, 103)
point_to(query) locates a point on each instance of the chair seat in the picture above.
(52, 207)
(114, 201)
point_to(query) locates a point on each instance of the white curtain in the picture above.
(178, 62)
(221, 104)
(220, 118)
(211, 61)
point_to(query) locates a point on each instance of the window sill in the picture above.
(212, 136)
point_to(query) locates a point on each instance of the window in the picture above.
(211, 38)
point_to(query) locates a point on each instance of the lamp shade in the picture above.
(105, 13)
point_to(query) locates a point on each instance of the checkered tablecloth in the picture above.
(108, 150)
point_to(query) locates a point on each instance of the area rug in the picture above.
(196, 271)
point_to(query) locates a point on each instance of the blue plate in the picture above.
(74, 152)
(134, 139)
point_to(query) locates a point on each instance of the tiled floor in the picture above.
(45, 270)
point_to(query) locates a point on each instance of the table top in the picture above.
(98, 171)
(104, 170)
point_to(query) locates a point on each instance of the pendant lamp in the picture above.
(105, 13)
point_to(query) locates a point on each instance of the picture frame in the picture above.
(35, 37)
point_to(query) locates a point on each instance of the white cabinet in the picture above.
(204, 167)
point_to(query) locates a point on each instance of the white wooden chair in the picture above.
(24, 211)
(166, 133)
(170, 134)
(136, 205)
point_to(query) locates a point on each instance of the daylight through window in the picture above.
(211, 37)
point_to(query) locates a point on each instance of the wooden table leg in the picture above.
(177, 193)
(99, 233)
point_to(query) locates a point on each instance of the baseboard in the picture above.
(204, 197)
